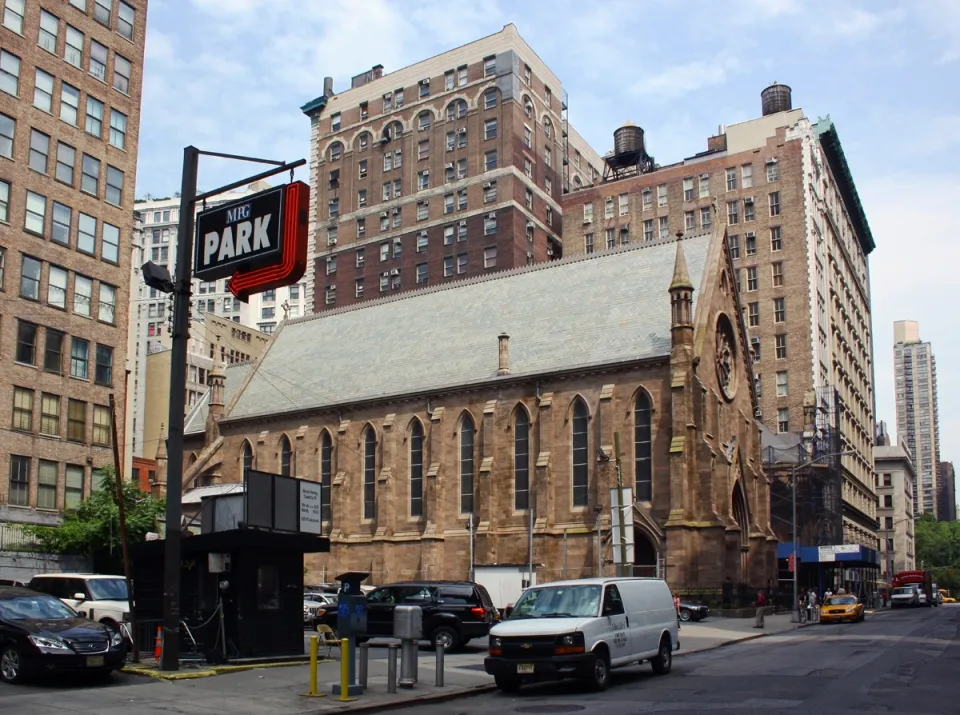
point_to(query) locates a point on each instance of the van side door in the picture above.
(617, 626)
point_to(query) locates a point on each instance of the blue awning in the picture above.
(847, 554)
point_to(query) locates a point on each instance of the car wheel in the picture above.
(507, 684)
(663, 663)
(685, 615)
(599, 677)
(12, 667)
(445, 636)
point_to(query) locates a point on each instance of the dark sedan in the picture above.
(39, 634)
(693, 611)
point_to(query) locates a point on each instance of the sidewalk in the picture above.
(276, 691)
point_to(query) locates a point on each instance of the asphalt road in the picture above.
(73, 681)
(901, 662)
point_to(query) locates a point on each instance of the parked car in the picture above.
(582, 629)
(39, 635)
(840, 608)
(99, 598)
(905, 596)
(319, 609)
(693, 611)
(454, 612)
(11, 582)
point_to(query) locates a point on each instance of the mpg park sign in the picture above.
(260, 241)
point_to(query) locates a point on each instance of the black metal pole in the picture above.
(170, 658)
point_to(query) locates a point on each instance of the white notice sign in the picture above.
(310, 507)
(615, 513)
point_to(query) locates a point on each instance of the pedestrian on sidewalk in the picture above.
(676, 606)
(761, 604)
(813, 613)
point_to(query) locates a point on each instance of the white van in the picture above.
(582, 629)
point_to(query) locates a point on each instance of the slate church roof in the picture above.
(580, 312)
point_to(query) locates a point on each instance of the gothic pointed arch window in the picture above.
(247, 459)
(521, 460)
(643, 447)
(326, 474)
(467, 431)
(369, 473)
(416, 469)
(286, 457)
(581, 453)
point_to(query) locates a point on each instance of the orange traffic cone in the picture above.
(158, 644)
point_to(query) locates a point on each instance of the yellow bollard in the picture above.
(314, 651)
(345, 656)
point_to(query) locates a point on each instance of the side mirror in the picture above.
(82, 614)
(507, 611)
(79, 597)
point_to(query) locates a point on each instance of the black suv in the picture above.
(454, 612)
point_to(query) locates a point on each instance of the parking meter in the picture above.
(351, 622)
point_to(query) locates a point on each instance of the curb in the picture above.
(148, 672)
(429, 699)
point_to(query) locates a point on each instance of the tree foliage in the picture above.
(938, 549)
(94, 526)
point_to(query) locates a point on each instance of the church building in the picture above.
(447, 424)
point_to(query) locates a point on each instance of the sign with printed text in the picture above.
(622, 515)
(310, 519)
(829, 553)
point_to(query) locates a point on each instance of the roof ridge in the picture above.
(492, 276)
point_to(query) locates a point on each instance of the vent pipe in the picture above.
(328, 86)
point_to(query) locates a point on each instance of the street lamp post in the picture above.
(793, 486)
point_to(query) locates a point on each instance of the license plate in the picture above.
(95, 661)
(525, 668)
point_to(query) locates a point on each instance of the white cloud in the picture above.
(678, 80)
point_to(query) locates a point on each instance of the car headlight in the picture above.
(116, 640)
(568, 640)
(48, 643)
(495, 643)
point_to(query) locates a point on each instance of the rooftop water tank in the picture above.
(776, 98)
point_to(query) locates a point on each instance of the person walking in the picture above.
(813, 613)
(676, 606)
(761, 604)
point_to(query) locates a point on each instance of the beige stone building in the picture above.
(471, 404)
(896, 478)
(800, 242)
(70, 85)
(450, 168)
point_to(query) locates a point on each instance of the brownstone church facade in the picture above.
(437, 420)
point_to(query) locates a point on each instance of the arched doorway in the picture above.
(742, 516)
(645, 556)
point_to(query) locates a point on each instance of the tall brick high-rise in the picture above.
(70, 85)
(800, 242)
(441, 170)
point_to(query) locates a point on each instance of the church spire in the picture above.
(681, 290)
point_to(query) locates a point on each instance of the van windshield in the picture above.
(904, 591)
(558, 602)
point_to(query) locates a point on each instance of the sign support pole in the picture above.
(170, 657)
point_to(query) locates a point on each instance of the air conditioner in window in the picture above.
(448, 166)
(750, 234)
(529, 254)
(463, 223)
(748, 199)
(384, 214)
(549, 251)
(395, 272)
(331, 259)
(531, 224)
(423, 234)
(396, 212)
(588, 219)
(488, 184)
(462, 130)
(332, 241)
(397, 241)
(491, 215)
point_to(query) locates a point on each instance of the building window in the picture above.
(776, 239)
(125, 20)
(752, 282)
(753, 315)
(110, 247)
(776, 269)
(330, 295)
(781, 347)
(118, 129)
(733, 242)
(775, 203)
(490, 192)
(121, 74)
(688, 189)
(326, 462)
(662, 195)
(462, 76)
(755, 347)
(286, 457)
(57, 287)
(731, 179)
(76, 420)
(648, 234)
(689, 221)
(773, 170)
(782, 383)
(22, 409)
(705, 217)
(423, 210)
(53, 351)
(581, 457)
(79, 358)
(610, 238)
(42, 85)
(369, 474)
(664, 227)
(489, 66)
(4, 217)
(101, 426)
(490, 128)
(50, 414)
(779, 310)
(466, 464)
(104, 368)
(19, 492)
(358, 288)
(746, 176)
(66, 160)
(30, 278)
(422, 275)
(98, 61)
(758, 385)
(34, 218)
(750, 244)
(733, 212)
(39, 151)
(26, 343)
(548, 186)
(73, 48)
(416, 469)
(643, 447)
(490, 257)
(490, 160)
(8, 127)
(424, 88)
(94, 121)
(461, 263)
(73, 487)
(90, 175)
(423, 150)
(70, 104)
(783, 420)
(423, 121)
(87, 234)
(114, 192)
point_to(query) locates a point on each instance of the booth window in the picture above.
(268, 588)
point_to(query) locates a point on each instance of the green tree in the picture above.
(938, 549)
(94, 526)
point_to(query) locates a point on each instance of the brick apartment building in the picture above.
(800, 242)
(70, 84)
(439, 171)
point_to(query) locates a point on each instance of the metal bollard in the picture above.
(439, 668)
(364, 652)
(345, 657)
(314, 650)
(392, 650)
(408, 663)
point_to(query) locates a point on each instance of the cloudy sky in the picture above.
(230, 75)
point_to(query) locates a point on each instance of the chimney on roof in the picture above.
(328, 86)
(503, 365)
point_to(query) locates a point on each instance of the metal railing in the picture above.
(13, 537)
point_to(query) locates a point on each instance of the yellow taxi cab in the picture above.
(945, 596)
(840, 608)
